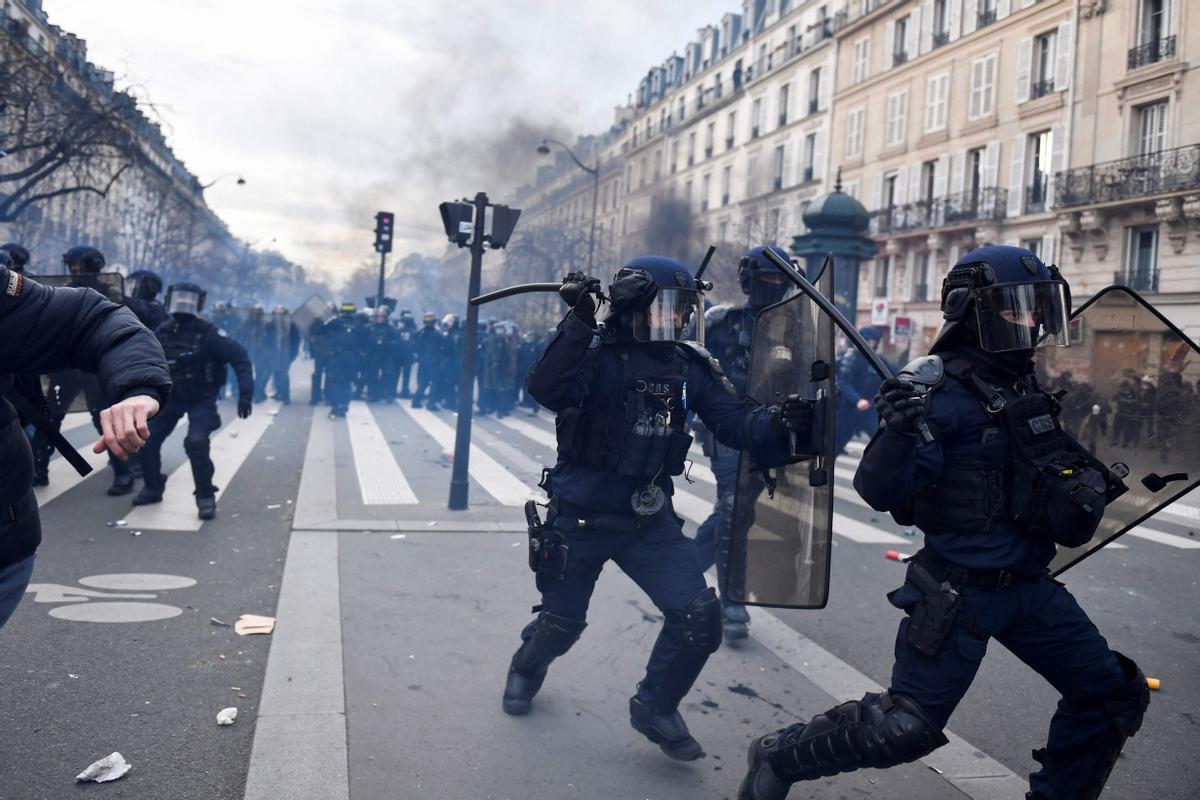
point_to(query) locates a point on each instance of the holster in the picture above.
(547, 548)
(935, 614)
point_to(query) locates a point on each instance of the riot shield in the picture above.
(308, 313)
(109, 284)
(1130, 378)
(779, 547)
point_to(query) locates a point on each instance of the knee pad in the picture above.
(552, 636)
(700, 623)
(1128, 704)
(196, 448)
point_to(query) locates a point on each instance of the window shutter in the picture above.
(926, 42)
(910, 35)
(1168, 13)
(1027, 3)
(823, 88)
(1024, 66)
(877, 197)
(970, 16)
(916, 188)
(901, 195)
(955, 250)
(1016, 178)
(930, 103)
(991, 168)
(902, 116)
(1049, 244)
(819, 156)
(958, 172)
(1058, 158)
(954, 18)
(1003, 8)
(941, 176)
(889, 40)
(1065, 56)
(788, 150)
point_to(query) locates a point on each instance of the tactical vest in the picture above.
(193, 370)
(1026, 470)
(734, 355)
(641, 435)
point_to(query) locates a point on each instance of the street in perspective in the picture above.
(777, 399)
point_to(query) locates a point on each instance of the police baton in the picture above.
(823, 303)
(524, 288)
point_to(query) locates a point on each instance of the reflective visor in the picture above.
(182, 301)
(673, 315)
(1022, 316)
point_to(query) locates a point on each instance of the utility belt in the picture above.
(549, 551)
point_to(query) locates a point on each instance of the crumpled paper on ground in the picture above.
(252, 623)
(227, 716)
(106, 769)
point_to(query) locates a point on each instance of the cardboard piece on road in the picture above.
(253, 623)
(106, 769)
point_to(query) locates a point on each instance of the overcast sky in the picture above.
(334, 110)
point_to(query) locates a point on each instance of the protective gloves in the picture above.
(576, 293)
(901, 405)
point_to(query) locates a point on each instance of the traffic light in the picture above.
(383, 231)
(457, 221)
(504, 220)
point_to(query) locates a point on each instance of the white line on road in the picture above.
(379, 476)
(1169, 539)
(317, 501)
(530, 431)
(487, 472)
(76, 419)
(63, 476)
(229, 449)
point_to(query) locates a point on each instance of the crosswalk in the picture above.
(506, 459)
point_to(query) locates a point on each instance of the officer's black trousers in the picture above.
(203, 419)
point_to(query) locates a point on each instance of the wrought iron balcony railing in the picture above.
(899, 57)
(814, 105)
(1035, 197)
(1128, 178)
(940, 38)
(1140, 280)
(1151, 52)
(1041, 88)
(954, 209)
(985, 18)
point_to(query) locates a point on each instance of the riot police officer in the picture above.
(197, 352)
(406, 328)
(728, 335)
(449, 356)
(345, 340)
(318, 347)
(992, 518)
(18, 257)
(141, 295)
(857, 383)
(380, 358)
(278, 349)
(622, 392)
(427, 347)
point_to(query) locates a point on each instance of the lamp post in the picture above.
(240, 180)
(544, 149)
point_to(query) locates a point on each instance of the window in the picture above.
(889, 194)
(814, 91)
(897, 117)
(629, 178)
(723, 232)
(773, 227)
(643, 172)
(657, 165)
(691, 148)
(936, 89)
(783, 104)
(730, 129)
(941, 23)
(928, 177)
(752, 177)
(705, 185)
(1154, 38)
(682, 106)
(687, 195)
(862, 60)
(1152, 128)
(1143, 259)
(810, 156)
(854, 132)
(1043, 64)
(983, 84)
(974, 177)
(900, 42)
(710, 135)
(1033, 245)
(883, 268)
(674, 156)
(1037, 155)
(778, 169)
(726, 180)
(717, 87)
(755, 118)
(987, 13)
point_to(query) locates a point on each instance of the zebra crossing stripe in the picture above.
(487, 472)
(531, 431)
(380, 478)
(63, 476)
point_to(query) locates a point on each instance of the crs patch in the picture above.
(16, 282)
(1041, 424)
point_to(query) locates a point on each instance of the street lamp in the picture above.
(544, 149)
(240, 180)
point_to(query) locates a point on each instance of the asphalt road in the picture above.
(396, 620)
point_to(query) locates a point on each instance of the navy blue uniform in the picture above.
(856, 380)
(200, 353)
(344, 339)
(427, 344)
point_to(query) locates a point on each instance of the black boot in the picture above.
(761, 781)
(147, 496)
(41, 479)
(122, 485)
(206, 505)
(551, 637)
(668, 731)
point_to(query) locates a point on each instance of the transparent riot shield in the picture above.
(72, 390)
(779, 547)
(308, 313)
(1130, 381)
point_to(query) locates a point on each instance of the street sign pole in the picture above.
(466, 383)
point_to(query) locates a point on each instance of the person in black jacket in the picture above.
(198, 353)
(45, 330)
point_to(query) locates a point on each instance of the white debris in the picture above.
(253, 623)
(227, 716)
(106, 769)
(274, 506)
(398, 535)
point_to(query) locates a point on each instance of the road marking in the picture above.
(230, 447)
(63, 476)
(863, 533)
(380, 478)
(76, 419)
(81, 609)
(316, 502)
(1169, 539)
(487, 472)
(530, 431)
(519, 460)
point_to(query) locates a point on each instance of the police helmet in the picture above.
(871, 334)
(347, 309)
(450, 322)
(761, 281)
(1017, 301)
(185, 299)
(404, 312)
(428, 319)
(280, 309)
(83, 260)
(18, 256)
(657, 299)
(143, 284)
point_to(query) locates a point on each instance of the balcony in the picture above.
(985, 18)
(1141, 280)
(708, 151)
(1041, 89)
(729, 143)
(1035, 196)
(956, 209)
(941, 38)
(782, 118)
(1151, 52)
(778, 182)
(814, 105)
(1130, 178)
(899, 57)
(754, 132)
(808, 174)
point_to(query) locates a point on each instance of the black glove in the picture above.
(632, 292)
(901, 405)
(245, 406)
(576, 292)
(796, 414)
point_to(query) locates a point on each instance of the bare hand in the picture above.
(863, 404)
(124, 426)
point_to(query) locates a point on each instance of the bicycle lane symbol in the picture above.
(123, 598)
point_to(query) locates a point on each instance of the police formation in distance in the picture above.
(622, 391)
(998, 487)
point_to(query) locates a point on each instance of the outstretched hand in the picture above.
(124, 428)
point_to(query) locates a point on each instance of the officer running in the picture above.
(622, 392)
(198, 353)
(998, 487)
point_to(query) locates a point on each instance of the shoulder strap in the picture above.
(962, 369)
(39, 421)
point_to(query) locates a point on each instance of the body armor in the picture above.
(193, 372)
